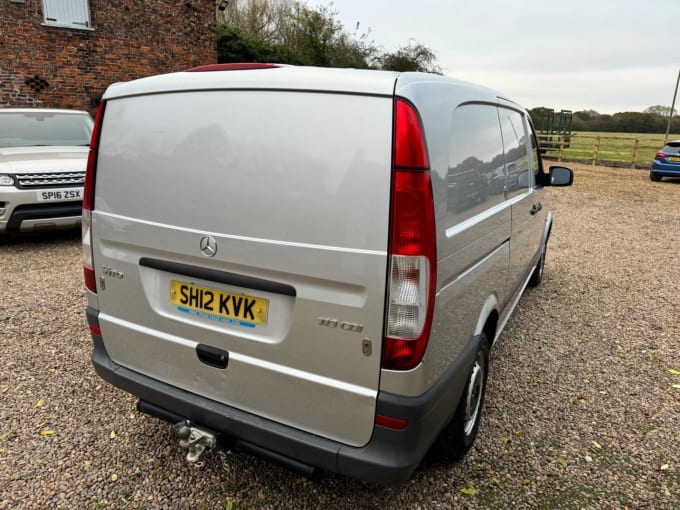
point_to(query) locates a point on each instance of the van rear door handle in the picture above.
(536, 208)
(212, 356)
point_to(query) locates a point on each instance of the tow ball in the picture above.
(195, 440)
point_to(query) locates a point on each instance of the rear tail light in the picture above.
(660, 155)
(88, 201)
(413, 262)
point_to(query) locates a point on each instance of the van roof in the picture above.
(284, 77)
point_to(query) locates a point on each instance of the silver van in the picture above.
(310, 264)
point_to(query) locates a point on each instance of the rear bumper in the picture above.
(666, 169)
(389, 457)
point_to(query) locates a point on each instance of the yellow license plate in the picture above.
(672, 158)
(218, 305)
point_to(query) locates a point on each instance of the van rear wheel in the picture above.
(458, 436)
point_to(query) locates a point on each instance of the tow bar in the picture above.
(195, 440)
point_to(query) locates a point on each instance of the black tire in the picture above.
(654, 177)
(537, 276)
(458, 436)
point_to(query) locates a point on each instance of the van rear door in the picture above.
(251, 223)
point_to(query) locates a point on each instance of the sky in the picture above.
(605, 55)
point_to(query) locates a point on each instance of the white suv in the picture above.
(43, 155)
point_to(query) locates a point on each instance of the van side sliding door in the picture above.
(526, 225)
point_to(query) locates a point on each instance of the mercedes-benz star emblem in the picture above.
(208, 246)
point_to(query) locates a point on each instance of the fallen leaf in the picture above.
(2, 450)
(112, 435)
(4, 436)
(469, 490)
(562, 461)
(495, 480)
(602, 392)
(505, 440)
(4, 389)
(260, 496)
(665, 467)
(673, 372)
(114, 477)
(47, 432)
(39, 403)
(520, 433)
(597, 445)
(230, 505)
(676, 386)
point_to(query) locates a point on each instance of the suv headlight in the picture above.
(6, 180)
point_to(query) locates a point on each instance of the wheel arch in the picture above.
(487, 322)
(547, 229)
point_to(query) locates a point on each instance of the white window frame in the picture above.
(61, 13)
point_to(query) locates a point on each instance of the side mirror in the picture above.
(561, 176)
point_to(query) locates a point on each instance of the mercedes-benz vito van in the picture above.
(310, 264)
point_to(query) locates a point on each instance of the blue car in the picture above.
(666, 162)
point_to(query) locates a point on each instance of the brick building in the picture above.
(64, 53)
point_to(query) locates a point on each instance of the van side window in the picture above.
(516, 155)
(475, 178)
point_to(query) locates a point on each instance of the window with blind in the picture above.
(67, 13)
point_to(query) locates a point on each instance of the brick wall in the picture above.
(53, 67)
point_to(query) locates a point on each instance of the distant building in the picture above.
(64, 53)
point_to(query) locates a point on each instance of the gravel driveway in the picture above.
(583, 407)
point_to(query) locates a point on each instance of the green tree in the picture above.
(289, 31)
(660, 109)
(261, 20)
(235, 46)
(414, 56)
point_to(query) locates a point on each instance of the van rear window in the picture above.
(476, 175)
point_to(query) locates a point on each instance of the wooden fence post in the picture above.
(561, 148)
(596, 150)
(636, 146)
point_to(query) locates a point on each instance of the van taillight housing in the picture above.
(88, 201)
(412, 247)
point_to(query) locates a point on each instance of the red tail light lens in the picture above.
(413, 251)
(660, 155)
(88, 192)
(88, 201)
(409, 143)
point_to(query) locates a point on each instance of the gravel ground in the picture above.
(582, 410)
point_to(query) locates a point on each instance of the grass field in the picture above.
(621, 149)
